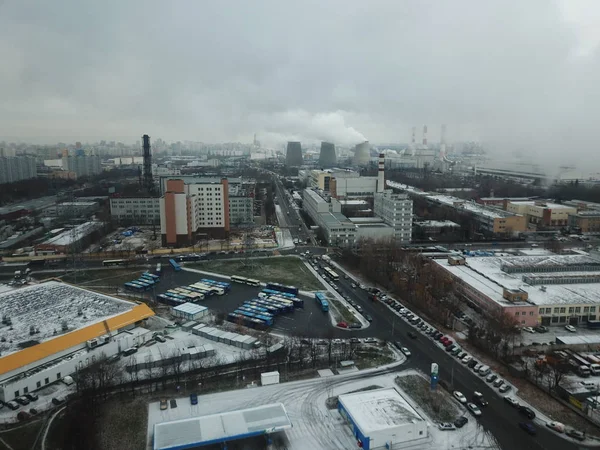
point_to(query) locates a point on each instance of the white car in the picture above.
(474, 409)
(467, 359)
(406, 351)
(529, 329)
(570, 328)
(460, 397)
(446, 426)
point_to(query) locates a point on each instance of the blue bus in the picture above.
(176, 267)
(250, 322)
(133, 287)
(322, 301)
(140, 285)
(169, 300)
(151, 276)
(298, 302)
(258, 308)
(267, 320)
(282, 288)
(279, 293)
(278, 307)
(255, 310)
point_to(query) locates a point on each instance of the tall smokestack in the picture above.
(443, 143)
(414, 139)
(381, 174)
(424, 135)
(148, 181)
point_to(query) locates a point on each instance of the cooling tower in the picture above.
(293, 155)
(327, 155)
(362, 154)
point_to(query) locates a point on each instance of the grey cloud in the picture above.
(508, 73)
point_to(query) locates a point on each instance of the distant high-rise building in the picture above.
(327, 156)
(17, 168)
(362, 154)
(293, 156)
(82, 165)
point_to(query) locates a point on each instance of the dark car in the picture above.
(398, 345)
(194, 399)
(491, 378)
(23, 416)
(22, 401)
(472, 364)
(528, 427)
(173, 403)
(576, 434)
(12, 405)
(541, 329)
(32, 396)
(57, 401)
(526, 411)
(355, 325)
(411, 335)
(368, 317)
(479, 400)
(450, 348)
(460, 422)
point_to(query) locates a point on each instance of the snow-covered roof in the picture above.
(378, 409)
(437, 224)
(216, 428)
(47, 305)
(190, 308)
(490, 275)
(73, 235)
(541, 204)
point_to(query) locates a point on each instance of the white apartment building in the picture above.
(82, 165)
(187, 210)
(396, 210)
(135, 210)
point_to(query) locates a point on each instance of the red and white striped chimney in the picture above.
(381, 173)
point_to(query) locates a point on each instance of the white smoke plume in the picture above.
(300, 125)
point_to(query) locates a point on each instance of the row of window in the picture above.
(523, 313)
(38, 385)
(572, 310)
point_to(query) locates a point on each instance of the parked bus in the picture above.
(133, 287)
(322, 301)
(268, 321)
(252, 282)
(156, 278)
(205, 292)
(282, 288)
(176, 267)
(279, 293)
(215, 289)
(196, 296)
(114, 262)
(250, 322)
(221, 284)
(331, 274)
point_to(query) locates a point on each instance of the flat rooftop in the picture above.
(491, 274)
(215, 428)
(46, 306)
(378, 409)
(542, 204)
(73, 235)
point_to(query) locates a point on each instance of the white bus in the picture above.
(331, 274)
(244, 280)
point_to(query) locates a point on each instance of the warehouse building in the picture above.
(135, 210)
(76, 238)
(382, 418)
(52, 329)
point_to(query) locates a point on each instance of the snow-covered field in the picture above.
(46, 306)
(315, 426)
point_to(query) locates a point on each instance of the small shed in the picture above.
(189, 311)
(267, 378)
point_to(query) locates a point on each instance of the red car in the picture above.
(448, 343)
(342, 325)
(443, 339)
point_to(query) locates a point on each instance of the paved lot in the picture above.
(309, 320)
(556, 330)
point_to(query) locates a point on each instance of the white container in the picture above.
(268, 378)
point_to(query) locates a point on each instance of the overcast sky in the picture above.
(521, 76)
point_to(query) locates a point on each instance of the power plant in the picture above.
(293, 155)
(148, 181)
(327, 157)
(362, 154)
(381, 174)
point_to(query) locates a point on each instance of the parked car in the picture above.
(370, 340)
(499, 382)
(23, 416)
(32, 396)
(444, 426)
(541, 329)
(491, 378)
(528, 427)
(448, 343)
(459, 396)
(12, 405)
(570, 328)
(467, 359)
(355, 325)
(57, 401)
(528, 329)
(342, 325)
(163, 404)
(22, 400)
(173, 403)
(450, 348)
(456, 351)
(398, 345)
(460, 422)
(504, 388)
(576, 434)
(556, 426)
(512, 402)
(368, 317)
(477, 367)
(194, 399)
(526, 411)
(474, 409)
(406, 351)
(472, 363)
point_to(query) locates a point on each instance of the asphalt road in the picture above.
(498, 418)
(291, 218)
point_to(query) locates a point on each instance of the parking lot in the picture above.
(310, 320)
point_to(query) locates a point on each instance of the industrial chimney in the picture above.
(381, 174)
(425, 136)
(148, 181)
(443, 143)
